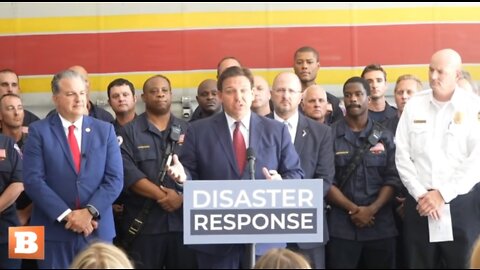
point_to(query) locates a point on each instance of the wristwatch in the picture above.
(93, 211)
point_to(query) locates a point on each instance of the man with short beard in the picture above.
(159, 244)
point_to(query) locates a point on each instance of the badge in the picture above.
(419, 121)
(458, 118)
(143, 146)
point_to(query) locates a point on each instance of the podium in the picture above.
(253, 211)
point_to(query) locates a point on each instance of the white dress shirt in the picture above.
(78, 135)
(291, 122)
(438, 144)
(244, 127)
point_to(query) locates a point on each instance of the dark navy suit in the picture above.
(314, 145)
(208, 154)
(53, 184)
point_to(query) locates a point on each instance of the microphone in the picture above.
(251, 162)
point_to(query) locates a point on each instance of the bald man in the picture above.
(209, 102)
(261, 94)
(93, 110)
(314, 144)
(314, 103)
(437, 157)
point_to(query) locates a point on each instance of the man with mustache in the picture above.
(361, 223)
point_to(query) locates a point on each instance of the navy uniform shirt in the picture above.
(143, 149)
(374, 172)
(29, 118)
(10, 172)
(389, 112)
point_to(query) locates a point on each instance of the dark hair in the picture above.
(120, 82)
(155, 77)
(374, 67)
(62, 75)
(306, 49)
(234, 72)
(360, 80)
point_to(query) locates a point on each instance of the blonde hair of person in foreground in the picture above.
(282, 258)
(475, 258)
(101, 256)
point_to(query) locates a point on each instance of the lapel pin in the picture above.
(88, 130)
(304, 132)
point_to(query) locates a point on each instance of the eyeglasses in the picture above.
(283, 91)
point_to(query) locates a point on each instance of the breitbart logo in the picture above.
(26, 242)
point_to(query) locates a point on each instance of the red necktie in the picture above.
(239, 147)
(72, 141)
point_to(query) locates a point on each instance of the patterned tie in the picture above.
(72, 141)
(239, 147)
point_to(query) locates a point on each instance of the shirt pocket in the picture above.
(375, 160)
(418, 138)
(455, 142)
(145, 154)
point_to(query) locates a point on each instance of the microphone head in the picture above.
(250, 154)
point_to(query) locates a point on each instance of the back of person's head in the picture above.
(282, 258)
(101, 256)
(475, 257)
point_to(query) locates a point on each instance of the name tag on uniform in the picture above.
(419, 121)
(143, 146)
(342, 153)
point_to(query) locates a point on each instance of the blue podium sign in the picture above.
(253, 211)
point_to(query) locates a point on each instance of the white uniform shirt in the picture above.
(438, 146)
